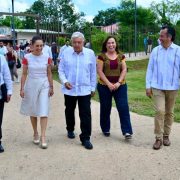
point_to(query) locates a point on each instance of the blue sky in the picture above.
(89, 7)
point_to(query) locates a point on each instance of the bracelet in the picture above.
(120, 82)
(51, 87)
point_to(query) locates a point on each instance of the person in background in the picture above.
(47, 50)
(54, 50)
(149, 42)
(28, 47)
(63, 48)
(88, 44)
(17, 49)
(5, 77)
(159, 42)
(36, 89)
(112, 71)
(7, 45)
(77, 72)
(12, 62)
(3, 49)
(22, 48)
(145, 45)
(162, 84)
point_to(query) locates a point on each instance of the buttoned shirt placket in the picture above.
(77, 74)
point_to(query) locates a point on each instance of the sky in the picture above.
(89, 7)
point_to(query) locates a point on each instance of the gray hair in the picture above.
(77, 35)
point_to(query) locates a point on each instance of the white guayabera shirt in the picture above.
(5, 76)
(163, 70)
(79, 70)
(47, 51)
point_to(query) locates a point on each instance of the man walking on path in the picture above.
(54, 51)
(149, 41)
(77, 71)
(145, 45)
(5, 79)
(162, 84)
(62, 49)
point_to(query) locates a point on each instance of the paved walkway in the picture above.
(112, 158)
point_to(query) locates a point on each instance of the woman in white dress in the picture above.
(36, 89)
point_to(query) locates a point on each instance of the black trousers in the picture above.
(1, 117)
(84, 104)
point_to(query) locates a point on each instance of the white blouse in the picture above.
(37, 65)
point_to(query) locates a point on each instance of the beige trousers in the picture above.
(164, 101)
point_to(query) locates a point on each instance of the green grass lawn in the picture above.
(138, 102)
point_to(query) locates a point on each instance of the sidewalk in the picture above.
(111, 159)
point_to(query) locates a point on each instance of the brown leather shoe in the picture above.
(166, 141)
(157, 145)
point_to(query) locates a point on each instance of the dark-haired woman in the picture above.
(11, 57)
(36, 89)
(112, 71)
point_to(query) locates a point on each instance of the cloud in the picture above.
(111, 2)
(82, 2)
(76, 9)
(89, 18)
(19, 5)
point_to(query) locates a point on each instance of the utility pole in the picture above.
(37, 25)
(13, 25)
(135, 28)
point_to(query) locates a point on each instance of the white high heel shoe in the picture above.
(43, 145)
(36, 139)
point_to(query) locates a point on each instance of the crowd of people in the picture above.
(78, 71)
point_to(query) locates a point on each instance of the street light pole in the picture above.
(13, 28)
(135, 27)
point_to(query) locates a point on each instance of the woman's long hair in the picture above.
(104, 49)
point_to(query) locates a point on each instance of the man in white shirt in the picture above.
(5, 77)
(62, 49)
(162, 84)
(77, 71)
(3, 49)
(47, 51)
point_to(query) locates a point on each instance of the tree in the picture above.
(167, 11)
(7, 21)
(124, 14)
(97, 38)
(145, 17)
(107, 17)
(38, 7)
(146, 25)
(54, 14)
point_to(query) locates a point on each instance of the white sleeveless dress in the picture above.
(36, 89)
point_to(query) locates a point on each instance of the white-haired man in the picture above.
(77, 72)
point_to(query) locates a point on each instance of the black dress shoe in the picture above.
(1, 149)
(71, 135)
(87, 144)
(107, 134)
